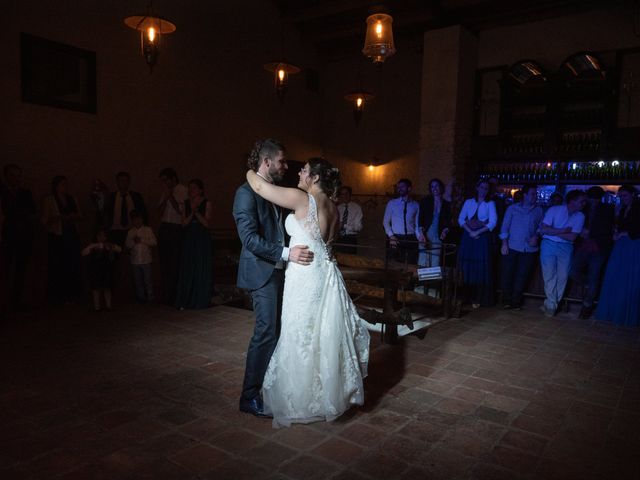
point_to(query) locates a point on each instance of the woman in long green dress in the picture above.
(195, 282)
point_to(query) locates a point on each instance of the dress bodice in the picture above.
(306, 231)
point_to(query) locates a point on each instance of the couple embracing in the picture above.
(309, 350)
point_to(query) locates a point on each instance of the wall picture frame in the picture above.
(57, 75)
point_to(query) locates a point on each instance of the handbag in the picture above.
(474, 223)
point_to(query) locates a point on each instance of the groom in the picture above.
(261, 269)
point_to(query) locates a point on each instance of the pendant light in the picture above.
(378, 42)
(358, 99)
(281, 70)
(151, 28)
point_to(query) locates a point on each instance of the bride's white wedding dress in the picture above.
(317, 368)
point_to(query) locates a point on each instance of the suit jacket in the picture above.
(600, 223)
(262, 239)
(138, 204)
(425, 216)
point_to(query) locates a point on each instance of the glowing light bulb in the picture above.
(359, 102)
(601, 164)
(615, 163)
(574, 166)
(151, 34)
(379, 29)
(281, 74)
(548, 164)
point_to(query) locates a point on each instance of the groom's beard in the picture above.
(276, 175)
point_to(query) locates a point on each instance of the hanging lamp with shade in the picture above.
(281, 71)
(378, 42)
(151, 28)
(358, 99)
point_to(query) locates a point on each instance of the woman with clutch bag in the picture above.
(477, 218)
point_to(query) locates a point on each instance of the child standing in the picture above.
(102, 255)
(140, 239)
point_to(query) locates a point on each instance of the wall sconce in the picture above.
(378, 42)
(151, 29)
(281, 72)
(358, 99)
(373, 164)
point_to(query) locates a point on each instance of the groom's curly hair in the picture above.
(267, 148)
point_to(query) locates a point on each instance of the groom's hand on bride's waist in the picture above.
(301, 254)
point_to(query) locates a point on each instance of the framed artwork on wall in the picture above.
(57, 75)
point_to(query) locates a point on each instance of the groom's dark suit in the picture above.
(261, 232)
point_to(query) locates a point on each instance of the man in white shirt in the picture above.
(560, 227)
(401, 224)
(170, 208)
(140, 239)
(350, 216)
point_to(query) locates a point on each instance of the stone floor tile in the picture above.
(237, 469)
(200, 458)
(270, 455)
(362, 434)
(512, 459)
(338, 451)
(235, 440)
(455, 406)
(442, 464)
(306, 467)
(380, 466)
(525, 441)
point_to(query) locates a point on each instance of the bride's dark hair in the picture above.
(267, 148)
(328, 176)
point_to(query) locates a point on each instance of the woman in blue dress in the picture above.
(477, 219)
(620, 295)
(195, 279)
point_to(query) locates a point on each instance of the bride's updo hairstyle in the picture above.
(328, 176)
(267, 148)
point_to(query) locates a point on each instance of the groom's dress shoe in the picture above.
(254, 407)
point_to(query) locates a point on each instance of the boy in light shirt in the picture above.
(140, 239)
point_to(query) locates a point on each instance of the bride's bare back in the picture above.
(327, 216)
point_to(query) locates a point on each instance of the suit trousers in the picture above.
(170, 247)
(516, 268)
(267, 306)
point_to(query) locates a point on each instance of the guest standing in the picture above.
(477, 218)
(102, 256)
(99, 198)
(195, 283)
(350, 216)
(620, 296)
(119, 207)
(434, 221)
(140, 240)
(519, 235)
(60, 215)
(592, 248)
(560, 227)
(170, 232)
(400, 224)
(18, 231)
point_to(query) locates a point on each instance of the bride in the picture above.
(317, 368)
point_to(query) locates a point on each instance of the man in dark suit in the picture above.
(261, 269)
(120, 204)
(592, 248)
